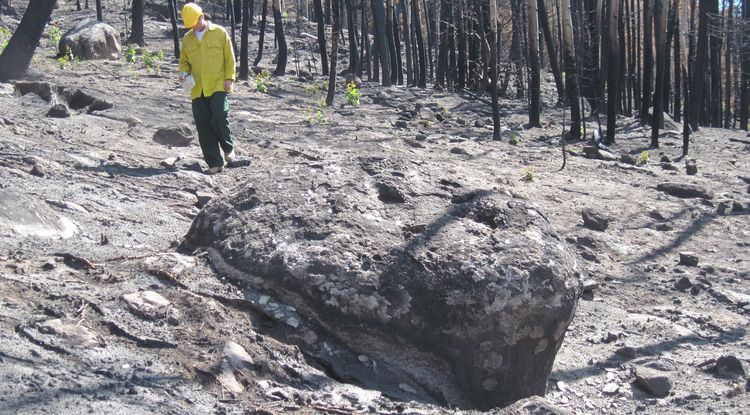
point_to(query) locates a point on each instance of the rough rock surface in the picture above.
(467, 291)
(92, 40)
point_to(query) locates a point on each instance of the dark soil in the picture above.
(69, 342)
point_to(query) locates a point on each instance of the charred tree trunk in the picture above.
(535, 85)
(354, 55)
(544, 22)
(728, 70)
(417, 23)
(493, 70)
(648, 59)
(172, 6)
(319, 18)
(379, 18)
(715, 59)
(745, 77)
(244, 41)
(699, 70)
(16, 57)
(390, 37)
(614, 67)
(660, 23)
(442, 62)
(279, 31)
(334, 52)
(99, 10)
(262, 34)
(408, 36)
(571, 74)
(136, 30)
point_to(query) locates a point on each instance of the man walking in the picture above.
(208, 56)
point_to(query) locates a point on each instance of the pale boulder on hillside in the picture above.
(92, 40)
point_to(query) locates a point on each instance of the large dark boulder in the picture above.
(91, 40)
(467, 291)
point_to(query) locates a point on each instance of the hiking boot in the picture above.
(214, 170)
(230, 156)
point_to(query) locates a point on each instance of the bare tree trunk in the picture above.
(136, 30)
(279, 31)
(354, 55)
(16, 57)
(648, 59)
(535, 86)
(571, 76)
(614, 67)
(390, 36)
(442, 61)
(715, 58)
(320, 19)
(334, 52)
(262, 34)
(493, 71)
(745, 77)
(244, 41)
(408, 36)
(172, 6)
(98, 10)
(379, 19)
(728, 63)
(417, 23)
(699, 71)
(544, 22)
(660, 23)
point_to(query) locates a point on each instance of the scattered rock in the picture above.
(58, 111)
(730, 366)
(535, 405)
(737, 206)
(669, 166)
(665, 159)
(594, 220)
(653, 381)
(627, 352)
(204, 197)
(38, 170)
(691, 167)
(610, 389)
(685, 190)
(628, 159)
(480, 123)
(689, 259)
(401, 124)
(683, 284)
(459, 150)
(722, 208)
(179, 136)
(590, 285)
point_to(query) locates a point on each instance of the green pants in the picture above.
(212, 121)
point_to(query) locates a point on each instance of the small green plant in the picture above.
(316, 115)
(425, 123)
(67, 58)
(514, 138)
(529, 174)
(130, 54)
(54, 35)
(643, 158)
(314, 89)
(262, 81)
(149, 60)
(284, 15)
(352, 94)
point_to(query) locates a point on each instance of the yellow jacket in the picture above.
(210, 61)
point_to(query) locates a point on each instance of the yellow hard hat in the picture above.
(190, 14)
